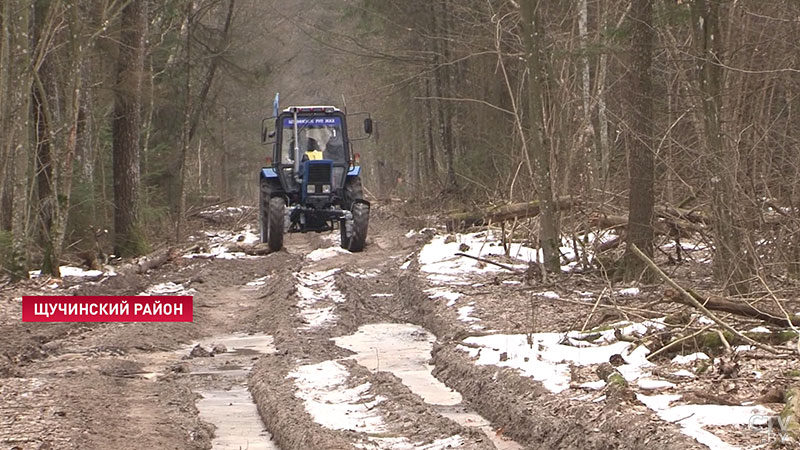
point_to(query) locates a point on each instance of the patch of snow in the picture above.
(451, 297)
(438, 257)
(629, 292)
(168, 288)
(593, 385)
(761, 329)
(411, 233)
(703, 320)
(313, 287)
(218, 242)
(332, 404)
(70, 271)
(692, 418)
(686, 359)
(324, 253)
(317, 317)
(383, 295)
(512, 282)
(464, 314)
(405, 265)
(363, 274)
(548, 294)
(649, 384)
(683, 373)
(548, 360)
(258, 281)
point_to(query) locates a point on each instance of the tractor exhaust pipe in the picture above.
(296, 146)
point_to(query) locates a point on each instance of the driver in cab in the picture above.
(313, 151)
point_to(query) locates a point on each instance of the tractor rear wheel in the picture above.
(356, 240)
(275, 223)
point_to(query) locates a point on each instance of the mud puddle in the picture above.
(218, 367)
(236, 418)
(404, 350)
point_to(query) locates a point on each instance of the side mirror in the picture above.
(368, 125)
(267, 130)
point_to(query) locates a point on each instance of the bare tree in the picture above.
(533, 34)
(129, 238)
(641, 196)
(733, 263)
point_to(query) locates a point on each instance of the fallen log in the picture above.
(694, 302)
(149, 261)
(504, 213)
(260, 249)
(740, 308)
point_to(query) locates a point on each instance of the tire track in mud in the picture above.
(520, 407)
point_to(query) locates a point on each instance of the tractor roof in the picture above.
(312, 109)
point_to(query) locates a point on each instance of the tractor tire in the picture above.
(274, 226)
(264, 194)
(357, 240)
(352, 191)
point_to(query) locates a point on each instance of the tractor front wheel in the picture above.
(264, 195)
(274, 226)
(356, 240)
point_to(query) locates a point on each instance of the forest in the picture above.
(121, 119)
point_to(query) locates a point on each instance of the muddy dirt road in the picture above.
(311, 347)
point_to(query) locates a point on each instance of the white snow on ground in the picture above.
(629, 292)
(313, 287)
(324, 253)
(323, 389)
(168, 288)
(451, 297)
(383, 295)
(464, 313)
(692, 418)
(258, 281)
(438, 258)
(649, 384)
(364, 274)
(332, 404)
(547, 359)
(218, 242)
(70, 271)
(686, 359)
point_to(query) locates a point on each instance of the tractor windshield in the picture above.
(319, 138)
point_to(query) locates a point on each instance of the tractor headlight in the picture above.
(311, 189)
(326, 188)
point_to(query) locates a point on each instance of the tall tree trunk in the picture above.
(14, 142)
(587, 128)
(533, 35)
(641, 197)
(129, 239)
(733, 264)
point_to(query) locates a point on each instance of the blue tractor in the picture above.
(312, 182)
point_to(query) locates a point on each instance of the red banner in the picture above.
(133, 308)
